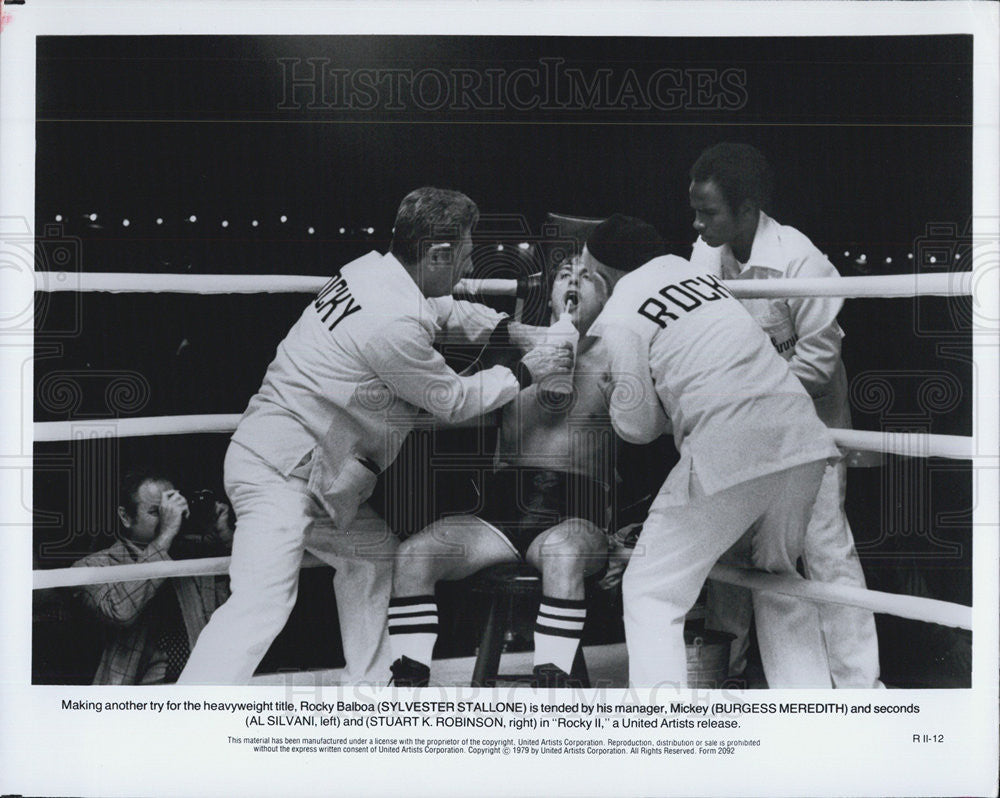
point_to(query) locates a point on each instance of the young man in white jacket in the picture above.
(731, 183)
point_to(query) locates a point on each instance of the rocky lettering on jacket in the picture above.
(335, 301)
(683, 298)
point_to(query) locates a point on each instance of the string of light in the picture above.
(859, 259)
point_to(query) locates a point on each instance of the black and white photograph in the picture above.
(579, 397)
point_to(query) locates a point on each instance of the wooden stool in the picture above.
(503, 583)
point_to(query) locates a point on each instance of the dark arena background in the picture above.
(289, 155)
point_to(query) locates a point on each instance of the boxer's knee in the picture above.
(573, 545)
(418, 561)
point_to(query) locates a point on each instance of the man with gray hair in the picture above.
(335, 405)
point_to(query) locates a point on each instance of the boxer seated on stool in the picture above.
(546, 502)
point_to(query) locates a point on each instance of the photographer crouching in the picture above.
(153, 624)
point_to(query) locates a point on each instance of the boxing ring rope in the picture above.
(912, 607)
(50, 431)
(884, 286)
(164, 569)
(905, 444)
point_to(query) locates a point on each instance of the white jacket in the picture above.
(349, 378)
(677, 336)
(803, 330)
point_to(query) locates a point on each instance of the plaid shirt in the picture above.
(131, 655)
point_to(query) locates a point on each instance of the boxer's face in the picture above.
(585, 286)
(715, 221)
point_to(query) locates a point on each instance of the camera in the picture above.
(201, 512)
(198, 536)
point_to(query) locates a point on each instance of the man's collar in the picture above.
(133, 548)
(399, 271)
(765, 250)
(398, 279)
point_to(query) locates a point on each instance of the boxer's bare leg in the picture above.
(453, 548)
(565, 554)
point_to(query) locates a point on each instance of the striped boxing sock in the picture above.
(558, 630)
(413, 627)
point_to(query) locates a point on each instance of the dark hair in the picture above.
(739, 170)
(550, 274)
(625, 243)
(132, 480)
(430, 214)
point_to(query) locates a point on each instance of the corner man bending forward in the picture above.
(335, 405)
(752, 456)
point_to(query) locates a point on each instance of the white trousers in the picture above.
(678, 547)
(829, 556)
(277, 520)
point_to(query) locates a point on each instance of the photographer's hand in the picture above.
(173, 511)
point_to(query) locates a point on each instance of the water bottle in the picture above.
(560, 386)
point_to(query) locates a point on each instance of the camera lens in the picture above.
(201, 511)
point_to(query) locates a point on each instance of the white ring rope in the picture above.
(471, 287)
(101, 574)
(222, 423)
(894, 286)
(139, 283)
(907, 444)
(913, 607)
(902, 606)
(889, 286)
(48, 431)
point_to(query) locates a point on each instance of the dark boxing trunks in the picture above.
(524, 502)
